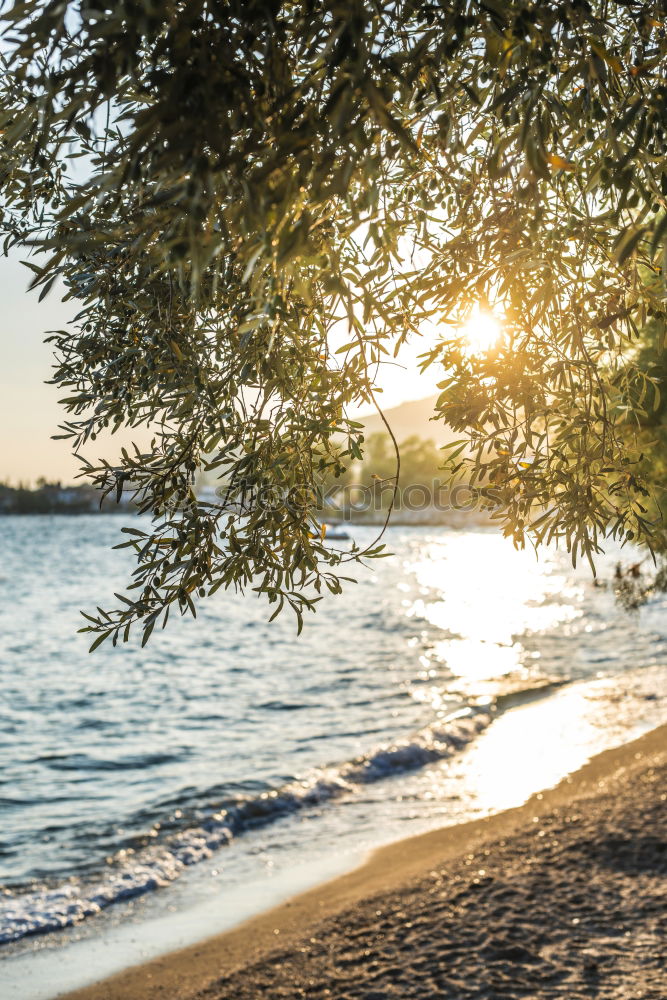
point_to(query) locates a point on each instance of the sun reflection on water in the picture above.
(534, 747)
(500, 596)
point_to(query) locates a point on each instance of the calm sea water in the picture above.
(121, 770)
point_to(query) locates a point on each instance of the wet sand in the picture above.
(564, 897)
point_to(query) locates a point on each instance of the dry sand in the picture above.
(564, 897)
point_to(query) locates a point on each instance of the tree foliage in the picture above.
(251, 203)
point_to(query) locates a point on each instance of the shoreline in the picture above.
(390, 871)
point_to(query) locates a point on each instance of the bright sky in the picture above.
(29, 411)
(401, 379)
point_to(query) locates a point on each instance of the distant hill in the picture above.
(413, 417)
(409, 418)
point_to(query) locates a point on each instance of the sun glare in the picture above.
(481, 332)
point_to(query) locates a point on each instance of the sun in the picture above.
(481, 331)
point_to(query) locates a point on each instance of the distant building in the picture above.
(54, 498)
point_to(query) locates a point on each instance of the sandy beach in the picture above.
(565, 896)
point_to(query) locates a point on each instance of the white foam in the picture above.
(47, 909)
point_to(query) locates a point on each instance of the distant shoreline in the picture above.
(428, 518)
(54, 498)
(66, 513)
(541, 882)
(399, 519)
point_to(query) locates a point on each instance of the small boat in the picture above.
(336, 533)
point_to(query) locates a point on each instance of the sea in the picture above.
(455, 678)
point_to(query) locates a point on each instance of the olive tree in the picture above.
(252, 203)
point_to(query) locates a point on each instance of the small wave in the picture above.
(49, 909)
(82, 762)
(284, 706)
(524, 695)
